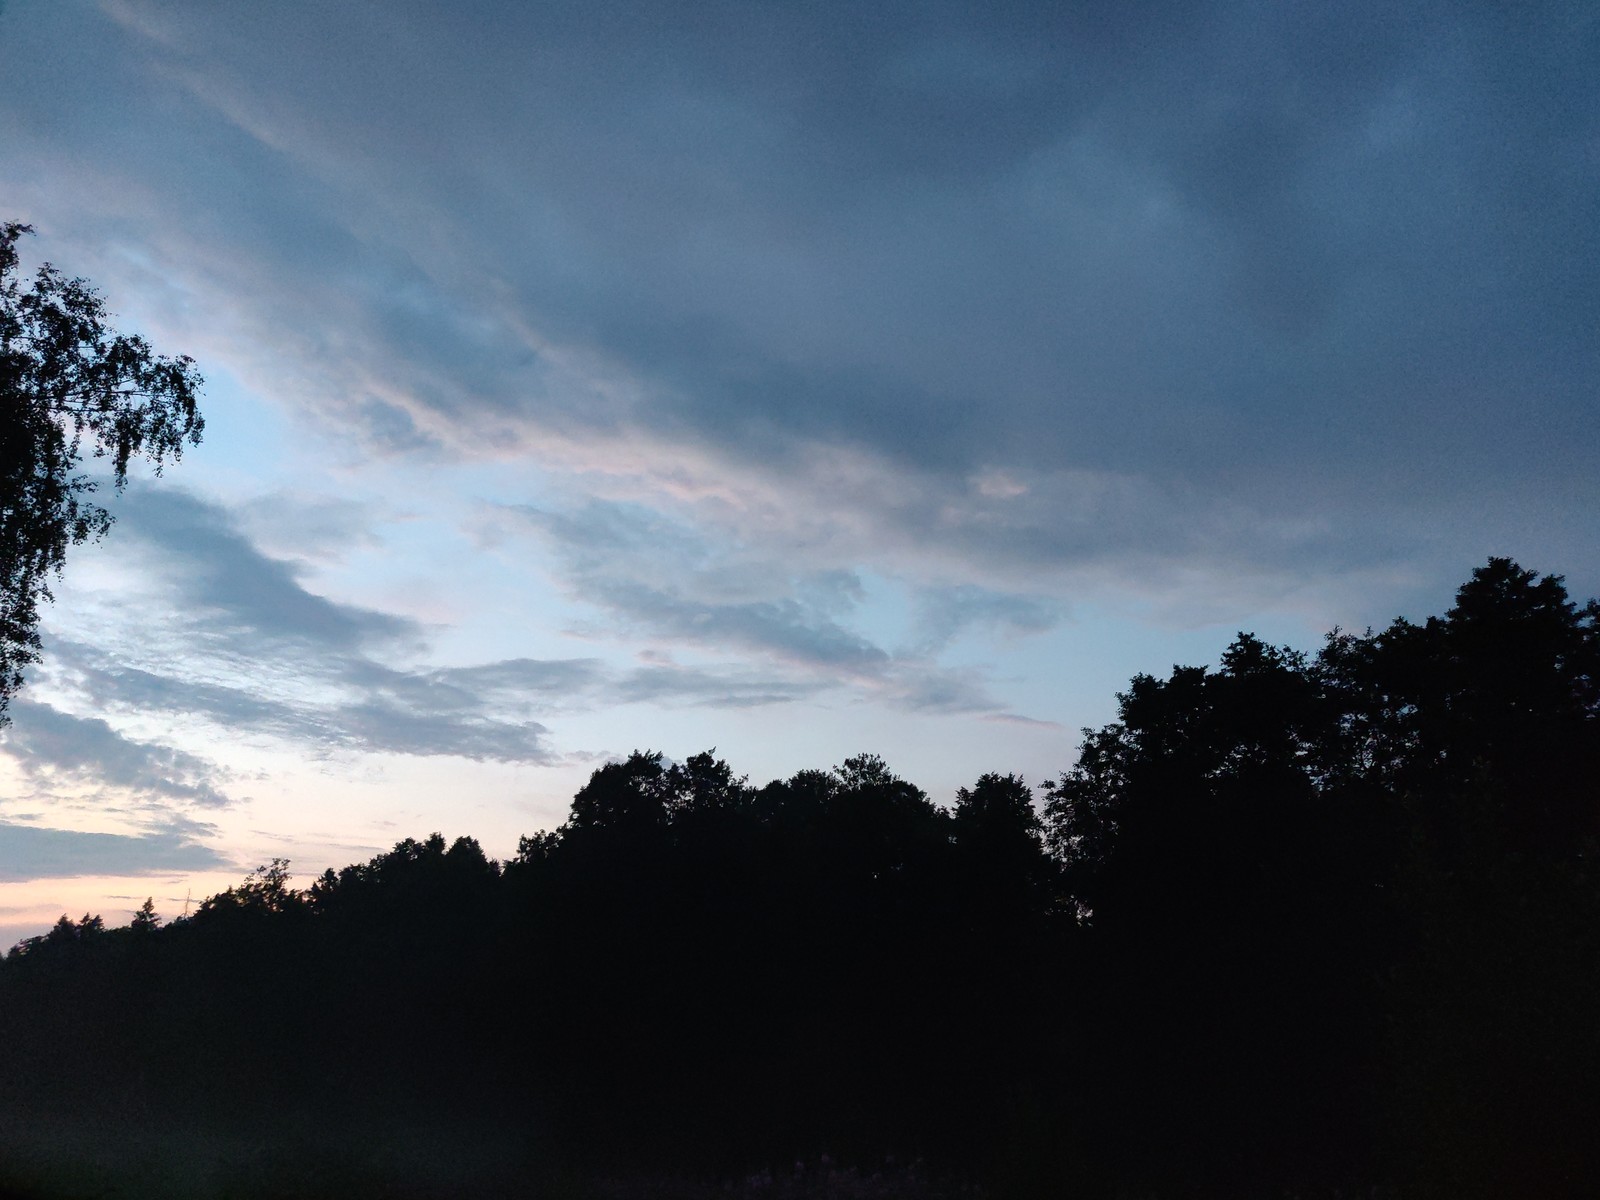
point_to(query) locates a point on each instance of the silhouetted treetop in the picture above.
(1291, 925)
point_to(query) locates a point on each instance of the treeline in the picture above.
(1296, 925)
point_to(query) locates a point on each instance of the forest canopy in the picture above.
(1307, 924)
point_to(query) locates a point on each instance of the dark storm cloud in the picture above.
(1318, 274)
(52, 745)
(32, 852)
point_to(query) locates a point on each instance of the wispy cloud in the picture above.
(53, 748)
(231, 592)
(32, 852)
(244, 646)
(945, 613)
(657, 576)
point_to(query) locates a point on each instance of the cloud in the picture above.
(724, 688)
(52, 746)
(1204, 309)
(296, 525)
(339, 702)
(479, 712)
(32, 852)
(241, 644)
(945, 613)
(654, 576)
(1277, 274)
(662, 577)
(784, 628)
(233, 592)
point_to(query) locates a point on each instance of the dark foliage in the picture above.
(1293, 926)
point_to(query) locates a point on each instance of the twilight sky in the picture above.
(794, 379)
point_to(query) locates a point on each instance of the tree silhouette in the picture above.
(145, 919)
(67, 378)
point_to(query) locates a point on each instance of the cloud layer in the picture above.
(29, 852)
(1267, 290)
(54, 748)
(235, 639)
(848, 361)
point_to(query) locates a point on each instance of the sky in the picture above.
(796, 380)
